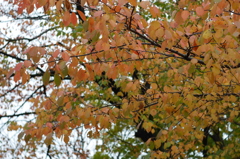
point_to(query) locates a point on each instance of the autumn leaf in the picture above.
(133, 2)
(46, 77)
(200, 11)
(207, 34)
(185, 14)
(57, 79)
(137, 76)
(82, 15)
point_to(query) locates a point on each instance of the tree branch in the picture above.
(48, 150)
(29, 98)
(8, 55)
(17, 115)
(35, 37)
(17, 58)
(11, 90)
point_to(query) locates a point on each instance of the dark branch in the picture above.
(167, 49)
(31, 39)
(8, 55)
(48, 150)
(29, 98)
(17, 58)
(11, 90)
(40, 17)
(17, 115)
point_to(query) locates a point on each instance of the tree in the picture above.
(170, 70)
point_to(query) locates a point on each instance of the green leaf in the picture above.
(192, 69)
(64, 69)
(57, 79)
(46, 77)
(100, 155)
(60, 101)
(96, 36)
(48, 139)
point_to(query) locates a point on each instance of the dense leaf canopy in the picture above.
(168, 71)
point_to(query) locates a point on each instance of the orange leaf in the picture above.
(122, 2)
(50, 125)
(168, 34)
(154, 11)
(194, 61)
(30, 8)
(51, 3)
(116, 9)
(56, 53)
(41, 50)
(66, 18)
(98, 46)
(74, 19)
(10, 72)
(42, 2)
(133, 2)
(199, 11)
(153, 112)
(67, 5)
(105, 46)
(17, 76)
(185, 14)
(98, 13)
(25, 77)
(154, 86)
(64, 118)
(91, 24)
(82, 15)
(18, 67)
(58, 5)
(164, 132)
(66, 139)
(178, 18)
(159, 33)
(21, 7)
(135, 52)
(65, 56)
(144, 4)
(195, 45)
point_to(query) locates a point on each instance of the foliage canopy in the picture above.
(171, 70)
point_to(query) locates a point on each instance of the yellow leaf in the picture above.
(207, 34)
(169, 109)
(157, 143)
(218, 33)
(159, 33)
(164, 132)
(154, 86)
(215, 71)
(153, 112)
(175, 149)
